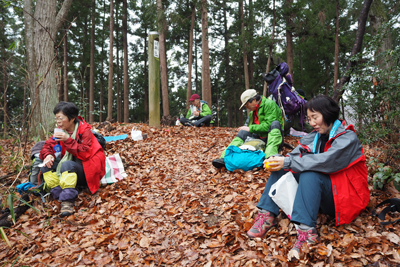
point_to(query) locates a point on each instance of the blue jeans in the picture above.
(314, 193)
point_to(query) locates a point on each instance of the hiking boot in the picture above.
(67, 209)
(262, 224)
(309, 237)
(218, 163)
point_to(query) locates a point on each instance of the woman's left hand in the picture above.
(61, 136)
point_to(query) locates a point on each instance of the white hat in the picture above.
(246, 96)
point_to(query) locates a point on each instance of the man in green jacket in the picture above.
(199, 113)
(265, 123)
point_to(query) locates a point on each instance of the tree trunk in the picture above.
(250, 54)
(336, 71)
(31, 57)
(146, 88)
(119, 115)
(196, 67)
(243, 40)
(47, 22)
(126, 77)
(92, 68)
(24, 107)
(206, 80)
(3, 61)
(65, 68)
(190, 57)
(289, 39)
(362, 20)
(377, 18)
(59, 81)
(228, 69)
(101, 102)
(271, 46)
(162, 25)
(327, 75)
(118, 70)
(110, 64)
(101, 108)
(85, 71)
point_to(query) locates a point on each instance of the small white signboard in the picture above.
(156, 51)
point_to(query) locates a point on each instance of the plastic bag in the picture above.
(136, 134)
(283, 193)
(258, 144)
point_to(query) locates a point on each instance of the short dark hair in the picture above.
(326, 106)
(68, 109)
(256, 97)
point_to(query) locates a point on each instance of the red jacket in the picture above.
(344, 161)
(86, 148)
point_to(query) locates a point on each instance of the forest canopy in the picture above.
(215, 49)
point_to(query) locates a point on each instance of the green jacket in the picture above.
(268, 111)
(205, 110)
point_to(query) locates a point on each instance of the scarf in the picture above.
(67, 156)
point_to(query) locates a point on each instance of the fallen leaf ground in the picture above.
(176, 209)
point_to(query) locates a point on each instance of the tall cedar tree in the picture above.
(92, 67)
(206, 82)
(125, 45)
(111, 64)
(190, 55)
(163, 28)
(41, 40)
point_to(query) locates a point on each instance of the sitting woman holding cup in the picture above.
(329, 166)
(72, 157)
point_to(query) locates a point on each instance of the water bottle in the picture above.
(57, 150)
(177, 123)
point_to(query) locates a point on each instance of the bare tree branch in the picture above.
(362, 20)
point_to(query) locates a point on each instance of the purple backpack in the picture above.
(280, 85)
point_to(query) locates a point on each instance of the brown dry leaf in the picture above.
(144, 242)
(87, 244)
(228, 198)
(293, 255)
(215, 244)
(392, 237)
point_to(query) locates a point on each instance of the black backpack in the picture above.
(100, 139)
(394, 205)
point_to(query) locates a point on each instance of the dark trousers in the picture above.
(294, 123)
(245, 134)
(197, 121)
(314, 194)
(67, 194)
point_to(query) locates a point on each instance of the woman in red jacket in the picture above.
(329, 165)
(72, 157)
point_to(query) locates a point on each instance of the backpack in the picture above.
(236, 158)
(394, 205)
(100, 139)
(284, 93)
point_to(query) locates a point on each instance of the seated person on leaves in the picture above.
(199, 113)
(80, 162)
(265, 119)
(329, 166)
